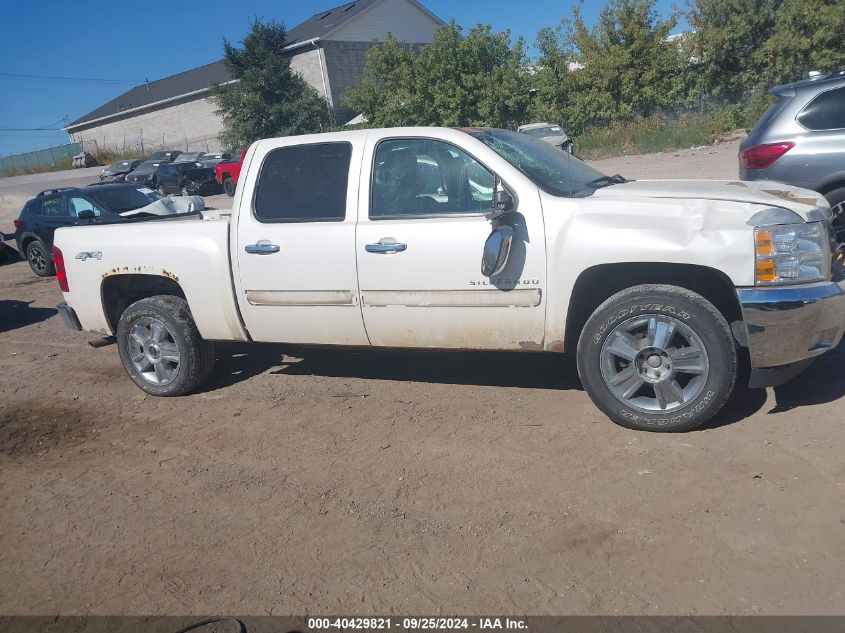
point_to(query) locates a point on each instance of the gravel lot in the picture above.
(303, 481)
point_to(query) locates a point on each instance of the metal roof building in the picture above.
(328, 50)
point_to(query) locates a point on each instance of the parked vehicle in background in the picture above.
(165, 154)
(227, 173)
(373, 238)
(800, 141)
(56, 208)
(188, 157)
(550, 133)
(116, 172)
(146, 173)
(210, 159)
(5, 250)
(187, 179)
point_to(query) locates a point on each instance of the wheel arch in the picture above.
(835, 183)
(118, 292)
(27, 239)
(598, 283)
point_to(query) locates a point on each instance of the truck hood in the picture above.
(811, 206)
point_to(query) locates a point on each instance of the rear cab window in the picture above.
(303, 183)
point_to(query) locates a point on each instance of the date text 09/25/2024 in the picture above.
(417, 623)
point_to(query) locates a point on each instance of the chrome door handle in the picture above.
(262, 247)
(386, 248)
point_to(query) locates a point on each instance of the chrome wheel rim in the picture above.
(37, 259)
(153, 351)
(654, 363)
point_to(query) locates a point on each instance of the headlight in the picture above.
(791, 253)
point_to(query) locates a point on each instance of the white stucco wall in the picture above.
(188, 126)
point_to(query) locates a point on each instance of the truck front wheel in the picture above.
(657, 358)
(161, 348)
(229, 186)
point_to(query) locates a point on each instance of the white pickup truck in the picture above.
(477, 239)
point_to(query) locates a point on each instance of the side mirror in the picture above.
(86, 214)
(503, 202)
(496, 251)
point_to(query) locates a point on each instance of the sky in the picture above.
(128, 43)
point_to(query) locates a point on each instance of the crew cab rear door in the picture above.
(294, 245)
(421, 232)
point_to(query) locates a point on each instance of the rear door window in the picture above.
(825, 112)
(53, 207)
(304, 183)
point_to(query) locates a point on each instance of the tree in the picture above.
(477, 79)
(553, 75)
(624, 66)
(267, 98)
(807, 35)
(728, 37)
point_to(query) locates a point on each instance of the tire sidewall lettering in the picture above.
(638, 308)
(687, 414)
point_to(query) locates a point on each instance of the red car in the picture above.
(227, 173)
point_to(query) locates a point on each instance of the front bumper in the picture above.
(787, 327)
(69, 317)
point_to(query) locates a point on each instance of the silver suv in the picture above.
(800, 141)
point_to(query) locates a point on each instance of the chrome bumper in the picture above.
(787, 327)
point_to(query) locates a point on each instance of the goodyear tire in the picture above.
(657, 358)
(161, 348)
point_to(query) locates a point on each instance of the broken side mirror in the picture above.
(503, 202)
(496, 251)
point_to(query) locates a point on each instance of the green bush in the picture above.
(660, 133)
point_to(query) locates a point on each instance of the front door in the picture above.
(420, 237)
(295, 244)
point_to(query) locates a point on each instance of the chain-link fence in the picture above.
(55, 157)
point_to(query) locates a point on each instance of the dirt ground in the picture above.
(303, 481)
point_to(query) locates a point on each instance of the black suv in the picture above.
(55, 208)
(188, 179)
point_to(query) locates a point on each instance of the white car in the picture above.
(550, 133)
(478, 239)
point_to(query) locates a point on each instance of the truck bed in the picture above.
(193, 253)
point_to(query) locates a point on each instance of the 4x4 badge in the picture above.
(89, 255)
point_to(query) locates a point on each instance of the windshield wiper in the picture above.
(605, 181)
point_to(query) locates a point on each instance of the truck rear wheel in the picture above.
(161, 348)
(657, 358)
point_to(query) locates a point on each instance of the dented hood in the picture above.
(808, 204)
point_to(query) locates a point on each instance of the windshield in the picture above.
(552, 170)
(123, 165)
(120, 199)
(544, 132)
(148, 166)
